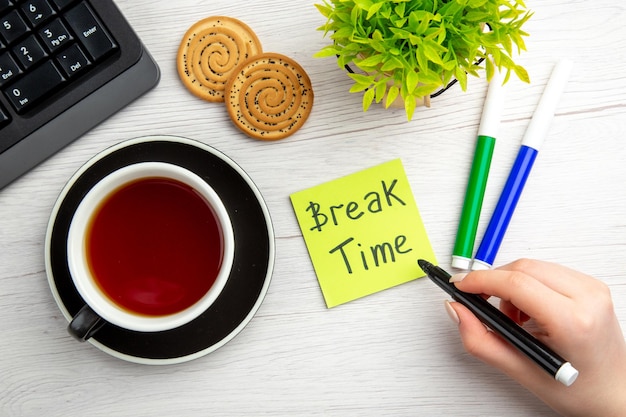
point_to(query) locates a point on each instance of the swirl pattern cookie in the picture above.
(269, 96)
(209, 52)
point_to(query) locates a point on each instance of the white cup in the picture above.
(99, 308)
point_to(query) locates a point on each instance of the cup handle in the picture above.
(85, 324)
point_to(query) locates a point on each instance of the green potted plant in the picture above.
(408, 49)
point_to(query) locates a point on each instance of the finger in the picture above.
(525, 292)
(561, 279)
(495, 351)
(513, 312)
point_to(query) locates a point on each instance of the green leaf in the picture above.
(477, 16)
(432, 50)
(431, 77)
(370, 61)
(342, 17)
(400, 8)
(378, 47)
(422, 60)
(489, 69)
(423, 25)
(324, 9)
(391, 64)
(401, 33)
(412, 78)
(496, 55)
(507, 44)
(368, 98)
(363, 4)
(385, 12)
(392, 95)
(357, 88)
(424, 90)
(373, 10)
(344, 32)
(329, 50)
(381, 87)
(476, 3)
(521, 73)
(415, 40)
(507, 76)
(399, 22)
(409, 107)
(462, 77)
(518, 41)
(362, 79)
(354, 18)
(451, 8)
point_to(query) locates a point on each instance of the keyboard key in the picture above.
(37, 11)
(8, 68)
(4, 5)
(34, 86)
(90, 32)
(62, 4)
(12, 26)
(73, 61)
(55, 35)
(29, 52)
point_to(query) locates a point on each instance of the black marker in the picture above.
(500, 323)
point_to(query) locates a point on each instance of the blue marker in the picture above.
(532, 141)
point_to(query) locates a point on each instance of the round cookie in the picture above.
(209, 52)
(269, 96)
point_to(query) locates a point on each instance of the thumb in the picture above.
(489, 347)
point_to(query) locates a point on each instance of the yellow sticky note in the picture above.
(363, 232)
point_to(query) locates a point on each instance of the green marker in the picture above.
(468, 224)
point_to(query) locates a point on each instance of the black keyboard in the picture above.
(65, 66)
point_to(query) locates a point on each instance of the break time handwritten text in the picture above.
(352, 252)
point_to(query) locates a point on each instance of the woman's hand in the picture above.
(572, 313)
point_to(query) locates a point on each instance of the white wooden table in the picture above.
(392, 353)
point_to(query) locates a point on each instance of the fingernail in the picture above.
(451, 313)
(458, 277)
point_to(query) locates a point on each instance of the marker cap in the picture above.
(479, 265)
(539, 125)
(566, 374)
(492, 109)
(461, 262)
